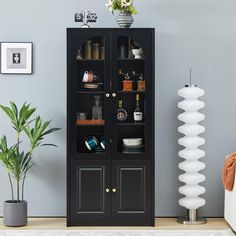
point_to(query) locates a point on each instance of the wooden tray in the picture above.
(90, 122)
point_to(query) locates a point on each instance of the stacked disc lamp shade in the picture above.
(191, 153)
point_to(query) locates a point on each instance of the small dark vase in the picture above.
(125, 19)
(15, 213)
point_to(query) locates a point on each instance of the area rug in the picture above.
(116, 232)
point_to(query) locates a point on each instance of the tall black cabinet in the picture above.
(110, 152)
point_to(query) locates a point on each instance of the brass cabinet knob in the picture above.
(107, 190)
(114, 190)
(107, 95)
(113, 95)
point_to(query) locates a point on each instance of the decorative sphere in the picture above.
(191, 105)
(191, 117)
(191, 92)
(192, 178)
(191, 141)
(192, 190)
(191, 129)
(192, 203)
(192, 166)
(191, 154)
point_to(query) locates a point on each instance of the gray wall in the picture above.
(200, 33)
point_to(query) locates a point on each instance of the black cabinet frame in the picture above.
(112, 170)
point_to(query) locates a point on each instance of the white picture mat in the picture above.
(28, 69)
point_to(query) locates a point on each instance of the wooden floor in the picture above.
(161, 224)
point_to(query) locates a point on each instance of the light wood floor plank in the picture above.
(161, 224)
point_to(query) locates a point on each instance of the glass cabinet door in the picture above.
(131, 86)
(89, 107)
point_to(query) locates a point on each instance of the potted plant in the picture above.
(17, 161)
(125, 9)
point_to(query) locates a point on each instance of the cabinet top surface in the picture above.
(121, 29)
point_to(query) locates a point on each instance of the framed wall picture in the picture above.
(16, 58)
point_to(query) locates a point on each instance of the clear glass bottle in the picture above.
(79, 54)
(97, 109)
(122, 51)
(138, 114)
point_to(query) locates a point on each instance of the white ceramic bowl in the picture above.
(137, 52)
(132, 141)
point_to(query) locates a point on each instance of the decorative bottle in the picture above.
(138, 114)
(97, 109)
(95, 51)
(122, 114)
(88, 49)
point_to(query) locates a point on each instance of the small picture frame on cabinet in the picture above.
(16, 58)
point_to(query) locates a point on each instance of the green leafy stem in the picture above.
(17, 162)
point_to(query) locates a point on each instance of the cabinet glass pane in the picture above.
(90, 76)
(130, 90)
(90, 65)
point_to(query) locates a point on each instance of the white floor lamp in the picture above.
(191, 153)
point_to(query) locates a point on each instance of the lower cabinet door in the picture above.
(131, 192)
(90, 196)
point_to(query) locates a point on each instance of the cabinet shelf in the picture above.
(90, 122)
(89, 155)
(131, 59)
(90, 60)
(89, 92)
(131, 124)
(133, 91)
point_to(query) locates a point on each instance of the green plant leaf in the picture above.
(50, 131)
(8, 111)
(49, 144)
(17, 163)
